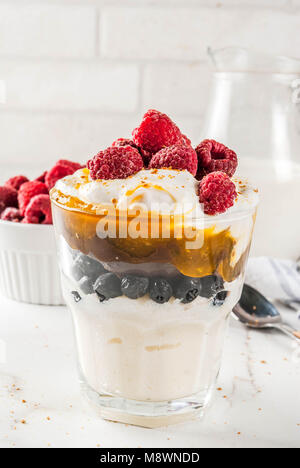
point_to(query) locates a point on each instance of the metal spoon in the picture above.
(298, 265)
(291, 305)
(255, 311)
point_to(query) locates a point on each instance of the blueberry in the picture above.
(108, 286)
(86, 266)
(220, 298)
(134, 286)
(187, 289)
(211, 285)
(86, 285)
(76, 296)
(76, 272)
(160, 290)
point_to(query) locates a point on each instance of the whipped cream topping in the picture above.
(152, 190)
(161, 190)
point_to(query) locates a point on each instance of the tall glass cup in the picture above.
(151, 353)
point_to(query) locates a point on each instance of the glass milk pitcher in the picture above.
(254, 104)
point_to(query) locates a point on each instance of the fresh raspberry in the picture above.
(156, 131)
(115, 163)
(59, 171)
(214, 156)
(11, 214)
(16, 182)
(186, 140)
(42, 177)
(74, 165)
(146, 155)
(217, 192)
(178, 157)
(8, 198)
(39, 210)
(28, 191)
(126, 141)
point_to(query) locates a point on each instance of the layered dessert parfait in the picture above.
(153, 238)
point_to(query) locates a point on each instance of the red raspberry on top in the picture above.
(8, 198)
(186, 140)
(28, 191)
(11, 214)
(214, 156)
(217, 192)
(126, 141)
(115, 163)
(156, 131)
(38, 210)
(178, 157)
(16, 182)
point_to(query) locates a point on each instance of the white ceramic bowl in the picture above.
(28, 264)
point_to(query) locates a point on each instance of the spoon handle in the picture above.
(288, 330)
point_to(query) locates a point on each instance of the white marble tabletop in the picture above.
(257, 404)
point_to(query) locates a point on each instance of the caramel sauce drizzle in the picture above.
(77, 221)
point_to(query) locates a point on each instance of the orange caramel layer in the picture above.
(77, 222)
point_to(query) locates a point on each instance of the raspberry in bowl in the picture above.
(152, 263)
(28, 259)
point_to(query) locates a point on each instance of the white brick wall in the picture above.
(185, 33)
(80, 73)
(50, 136)
(47, 31)
(179, 89)
(93, 86)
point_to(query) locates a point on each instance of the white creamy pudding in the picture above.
(150, 352)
